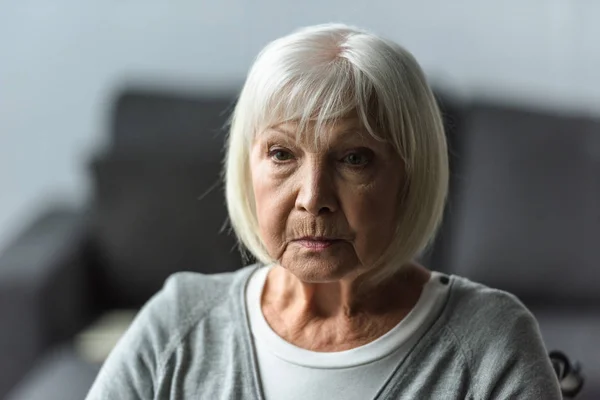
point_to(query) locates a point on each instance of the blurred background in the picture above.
(110, 141)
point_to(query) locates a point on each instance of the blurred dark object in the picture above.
(523, 215)
(569, 375)
(156, 208)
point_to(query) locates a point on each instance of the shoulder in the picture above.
(136, 365)
(500, 340)
(477, 309)
(481, 317)
(193, 293)
(187, 298)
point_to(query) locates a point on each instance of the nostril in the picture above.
(325, 210)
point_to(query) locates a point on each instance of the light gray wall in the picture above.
(61, 60)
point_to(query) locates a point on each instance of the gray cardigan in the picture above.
(192, 341)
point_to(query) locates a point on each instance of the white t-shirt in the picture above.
(292, 373)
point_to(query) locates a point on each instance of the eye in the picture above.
(280, 155)
(357, 158)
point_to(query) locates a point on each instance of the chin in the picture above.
(319, 268)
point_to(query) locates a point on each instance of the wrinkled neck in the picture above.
(344, 298)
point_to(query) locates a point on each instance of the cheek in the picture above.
(272, 209)
(373, 216)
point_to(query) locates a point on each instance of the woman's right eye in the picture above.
(280, 155)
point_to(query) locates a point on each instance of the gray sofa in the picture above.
(523, 215)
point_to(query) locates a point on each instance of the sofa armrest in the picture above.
(43, 290)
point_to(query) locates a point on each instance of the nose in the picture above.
(316, 194)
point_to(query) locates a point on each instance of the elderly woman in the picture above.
(336, 177)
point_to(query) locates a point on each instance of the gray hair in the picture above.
(322, 73)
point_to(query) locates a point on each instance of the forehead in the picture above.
(341, 131)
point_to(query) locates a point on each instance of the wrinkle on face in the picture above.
(360, 203)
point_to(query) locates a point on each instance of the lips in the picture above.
(316, 243)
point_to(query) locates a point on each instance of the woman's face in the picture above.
(325, 212)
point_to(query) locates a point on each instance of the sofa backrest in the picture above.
(169, 123)
(158, 205)
(526, 214)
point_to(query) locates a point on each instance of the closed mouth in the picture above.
(318, 238)
(316, 243)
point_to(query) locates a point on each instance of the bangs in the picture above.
(316, 99)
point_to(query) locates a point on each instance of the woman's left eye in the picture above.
(356, 159)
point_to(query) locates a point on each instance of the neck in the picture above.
(341, 314)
